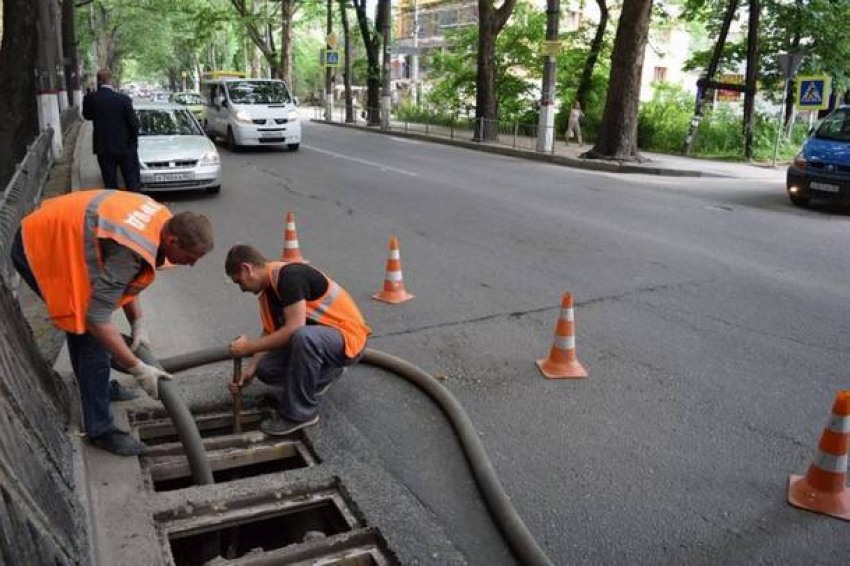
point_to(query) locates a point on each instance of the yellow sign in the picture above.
(551, 48)
(331, 40)
(813, 92)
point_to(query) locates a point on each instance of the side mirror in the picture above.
(224, 102)
(811, 131)
(295, 100)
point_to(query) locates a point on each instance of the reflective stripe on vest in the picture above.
(335, 308)
(61, 242)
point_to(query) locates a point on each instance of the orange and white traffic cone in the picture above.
(393, 291)
(824, 487)
(562, 361)
(291, 251)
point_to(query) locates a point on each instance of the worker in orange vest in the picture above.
(312, 331)
(88, 253)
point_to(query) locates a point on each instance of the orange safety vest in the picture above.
(61, 244)
(335, 308)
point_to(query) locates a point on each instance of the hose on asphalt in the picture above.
(511, 525)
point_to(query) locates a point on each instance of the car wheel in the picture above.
(293, 146)
(231, 140)
(799, 201)
(213, 190)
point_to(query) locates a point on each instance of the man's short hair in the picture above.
(104, 76)
(240, 253)
(194, 231)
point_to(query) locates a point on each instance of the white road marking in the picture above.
(405, 140)
(380, 166)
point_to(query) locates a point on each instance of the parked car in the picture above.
(251, 112)
(174, 152)
(194, 102)
(821, 169)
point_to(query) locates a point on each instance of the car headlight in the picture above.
(800, 160)
(292, 116)
(242, 116)
(210, 158)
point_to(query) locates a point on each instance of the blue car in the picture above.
(822, 168)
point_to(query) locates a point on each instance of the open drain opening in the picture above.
(161, 431)
(172, 472)
(269, 532)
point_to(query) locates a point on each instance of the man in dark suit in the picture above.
(116, 133)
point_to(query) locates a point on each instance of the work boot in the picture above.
(280, 426)
(119, 442)
(118, 392)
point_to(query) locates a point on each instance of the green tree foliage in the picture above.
(519, 67)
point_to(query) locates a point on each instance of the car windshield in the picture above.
(167, 122)
(258, 92)
(836, 126)
(188, 98)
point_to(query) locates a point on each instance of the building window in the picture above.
(573, 20)
(659, 75)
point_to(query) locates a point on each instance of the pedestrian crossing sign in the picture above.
(813, 92)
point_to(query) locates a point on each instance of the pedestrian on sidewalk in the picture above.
(574, 125)
(115, 138)
(88, 253)
(312, 331)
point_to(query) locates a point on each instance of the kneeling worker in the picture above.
(88, 253)
(312, 330)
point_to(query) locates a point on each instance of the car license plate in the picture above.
(271, 134)
(163, 177)
(825, 187)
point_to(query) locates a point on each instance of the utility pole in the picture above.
(47, 80)
(546, 125)
(329, 92)
(385, 85)
(414, 59)
(752, 75)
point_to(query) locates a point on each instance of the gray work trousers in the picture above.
(314, 356)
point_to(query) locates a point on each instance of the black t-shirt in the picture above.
(296, 282)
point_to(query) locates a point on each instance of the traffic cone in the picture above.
(291, 252)
(824, 487)
(562, 361)
(393, 291)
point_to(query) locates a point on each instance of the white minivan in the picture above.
(252, 112)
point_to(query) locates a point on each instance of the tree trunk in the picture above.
(618, 132)
(346, 70)
(18, 55)
(287, 11)
(490, 23)
(372, 42)
(69, 46)
(586, 80)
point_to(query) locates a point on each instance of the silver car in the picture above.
(174, 152)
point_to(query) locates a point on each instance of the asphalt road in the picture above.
(711, 315)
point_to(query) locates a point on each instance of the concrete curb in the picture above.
(588, 164)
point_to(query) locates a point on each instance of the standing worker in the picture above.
(115, 138)
(312, 330)
(574, 124)
(88, 253)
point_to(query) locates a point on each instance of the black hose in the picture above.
(184, 424)
(518, 536)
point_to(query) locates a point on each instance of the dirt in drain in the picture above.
(236, 472)
(267, 533)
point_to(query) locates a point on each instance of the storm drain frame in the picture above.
(351, 544)
(160, 430)
(166, 467)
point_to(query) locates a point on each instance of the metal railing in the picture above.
(20, 197)
(515, 135)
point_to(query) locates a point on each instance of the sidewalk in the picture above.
(568, 155)
(85, 170)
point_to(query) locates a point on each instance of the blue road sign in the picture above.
(813, 92)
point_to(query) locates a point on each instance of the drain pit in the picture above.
(170, 472)
(161, 431)
(261, 534)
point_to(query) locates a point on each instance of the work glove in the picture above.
(140, 334)
(148, 377)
